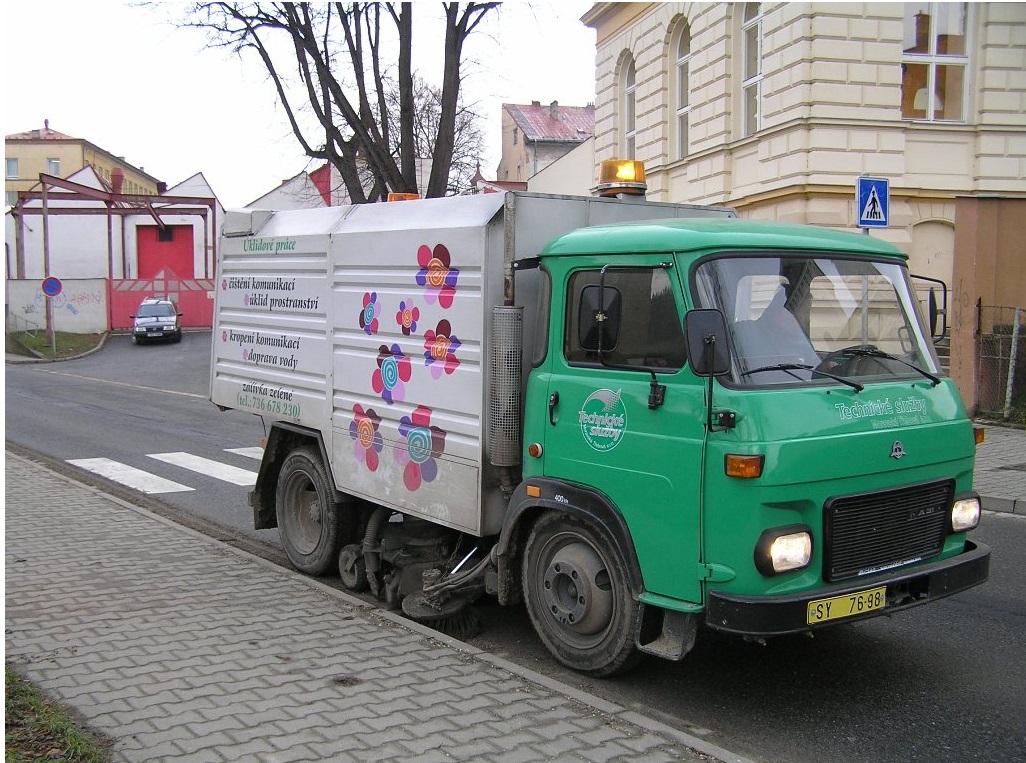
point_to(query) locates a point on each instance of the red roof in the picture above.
(553, 123)
(45, 134)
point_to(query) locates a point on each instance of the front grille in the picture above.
(871, 532)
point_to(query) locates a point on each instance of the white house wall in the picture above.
(78, 244)
(80, 308)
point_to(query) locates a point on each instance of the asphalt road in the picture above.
(946, 682)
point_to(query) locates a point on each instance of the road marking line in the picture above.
(255, 452)
(208, 467)
(129, 476)
(126, 384)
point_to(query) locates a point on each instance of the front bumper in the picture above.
(155, 333)
(777, 615)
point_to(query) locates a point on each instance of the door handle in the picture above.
(553, 402)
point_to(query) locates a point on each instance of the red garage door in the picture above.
(170, 249)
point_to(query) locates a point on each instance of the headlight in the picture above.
(965, 514)
(783, 549)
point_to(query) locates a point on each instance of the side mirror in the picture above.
(938, 310)
(706, 336)
(598, 318)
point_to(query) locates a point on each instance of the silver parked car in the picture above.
(156, 319)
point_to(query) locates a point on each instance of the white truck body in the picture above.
(370, 326)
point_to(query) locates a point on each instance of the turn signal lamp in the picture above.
(618, 176)
(743, 467)
(979, 434)
(403, 196)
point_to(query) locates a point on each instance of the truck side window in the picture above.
(651, 334)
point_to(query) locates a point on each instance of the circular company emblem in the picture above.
(603, 419)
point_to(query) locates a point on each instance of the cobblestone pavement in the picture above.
(183, 649)
(1000, 474)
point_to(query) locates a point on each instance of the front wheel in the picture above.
(576, 593)
(308, 518)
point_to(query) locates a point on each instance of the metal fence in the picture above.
(1001, 364)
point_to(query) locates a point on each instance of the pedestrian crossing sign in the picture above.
(872, 198)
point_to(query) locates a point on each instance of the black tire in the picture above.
(576, 593)
(309, 520)
(352, 568)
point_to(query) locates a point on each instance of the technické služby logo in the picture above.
(603, 419)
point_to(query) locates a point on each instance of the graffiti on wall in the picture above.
(81, 307)
(70, 300)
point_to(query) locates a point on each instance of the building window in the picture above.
(751, 75)
(629, 115)
(53, 167)
(516, 136)
(12, 198)
(934, 61)
(682, 92)
(166, 234)
(12, 169)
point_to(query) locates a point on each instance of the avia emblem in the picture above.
(898, 450)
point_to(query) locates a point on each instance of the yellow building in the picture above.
(46, 151)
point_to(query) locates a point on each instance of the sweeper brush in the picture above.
(454, 617)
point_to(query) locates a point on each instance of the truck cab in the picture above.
(815, 468)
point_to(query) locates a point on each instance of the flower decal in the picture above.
(394, 368)
(366, 437)
(407, 317)
(424, 444)
(436, 274)
(440, 348)
(370, 312)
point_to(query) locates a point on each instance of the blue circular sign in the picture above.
(52, 286)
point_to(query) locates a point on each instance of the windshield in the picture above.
(156, 311)
(799, 319)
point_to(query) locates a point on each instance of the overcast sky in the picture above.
(120, 76)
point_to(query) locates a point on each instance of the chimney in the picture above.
(922, 21)
(117, 179)
(536, 103)
(46, 124)
(554, 110)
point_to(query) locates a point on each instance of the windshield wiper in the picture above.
(789, 368)
(868, 351)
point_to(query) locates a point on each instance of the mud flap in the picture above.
(676, 637)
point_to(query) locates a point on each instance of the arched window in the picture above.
(629, 101)
(751, 74)
(682, 91)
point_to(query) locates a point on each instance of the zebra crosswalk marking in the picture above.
(206, 466)
(129, 476)
(255, 452)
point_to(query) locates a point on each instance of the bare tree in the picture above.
(468, 140)
(328, 61)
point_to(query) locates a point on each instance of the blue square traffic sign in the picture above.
(872, 199)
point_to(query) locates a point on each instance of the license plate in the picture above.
(849, 605)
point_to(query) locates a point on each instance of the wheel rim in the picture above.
(576, 591)
(303, 513)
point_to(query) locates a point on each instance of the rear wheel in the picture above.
(576, 593)
(309, 520)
